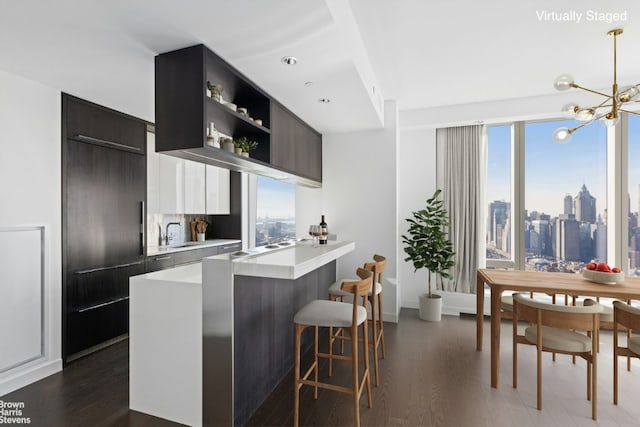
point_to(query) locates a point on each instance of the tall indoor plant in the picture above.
(428, 246)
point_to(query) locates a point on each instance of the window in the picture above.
(547, 202)
(565, 197)
(499, 193)
(634, 195)
(275, 211)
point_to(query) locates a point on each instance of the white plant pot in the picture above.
(228, 146)
(431, 308)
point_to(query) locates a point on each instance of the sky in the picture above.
(554, 170)
(276, 199)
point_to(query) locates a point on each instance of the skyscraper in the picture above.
(567, 238)
(585, 206)
(568, 204)
(498, 215)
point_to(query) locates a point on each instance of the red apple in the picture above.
(615, 270)
(592, 266)
(603, 267)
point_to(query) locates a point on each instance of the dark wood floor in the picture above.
(432, 376)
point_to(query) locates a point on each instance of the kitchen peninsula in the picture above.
(209, 341)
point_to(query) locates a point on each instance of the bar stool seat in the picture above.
(325, 313)
(348, 317)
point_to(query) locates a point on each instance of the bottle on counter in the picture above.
(324, 232)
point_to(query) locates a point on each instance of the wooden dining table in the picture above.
(533, 281)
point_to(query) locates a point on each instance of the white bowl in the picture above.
(231, 106)
(603, 277)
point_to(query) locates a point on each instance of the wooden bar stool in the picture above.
(335, 314)
(377, 324)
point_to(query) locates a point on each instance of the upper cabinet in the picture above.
(186, 113)
(100, 125)
(295, 146)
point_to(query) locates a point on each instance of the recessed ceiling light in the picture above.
(324, 100)
(289, 60)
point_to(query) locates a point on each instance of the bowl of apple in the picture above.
(602, 273)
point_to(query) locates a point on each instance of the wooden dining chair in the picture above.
(628, 316)
(554, 328)
(335, 314)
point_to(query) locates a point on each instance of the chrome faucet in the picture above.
(167, 239)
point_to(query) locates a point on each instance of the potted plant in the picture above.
(238, 144)
(248, 147)
(428, 246)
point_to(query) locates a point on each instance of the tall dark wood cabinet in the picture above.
(103, 199)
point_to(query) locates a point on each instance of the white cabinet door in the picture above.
(217, 191)
(171, 184)
(194, 187)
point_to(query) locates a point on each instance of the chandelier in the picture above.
(606, 112)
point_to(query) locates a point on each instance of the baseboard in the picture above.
(23, 376)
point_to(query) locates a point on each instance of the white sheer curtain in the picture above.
(462, 162)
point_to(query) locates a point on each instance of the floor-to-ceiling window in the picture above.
(633, 136)
(547, 202)
(565, 197)
(499, 158)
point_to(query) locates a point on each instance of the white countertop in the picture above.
(188, 273)
(292, 262)
(188, 246)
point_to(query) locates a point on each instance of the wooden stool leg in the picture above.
(331, 340)
(315, 362)
(367, 371)
(381, 326)
(375, 335)
(356, 382)
(296, 376)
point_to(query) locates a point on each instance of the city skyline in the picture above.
(547, 167)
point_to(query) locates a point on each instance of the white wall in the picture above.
(30, 194)
(416, 182)
(359, 196)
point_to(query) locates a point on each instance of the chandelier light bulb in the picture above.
(628, 94)
(569, 110)
(563, 82)
(562, 135)
(585, 115)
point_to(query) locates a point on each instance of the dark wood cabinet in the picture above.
(184, 111)
(174, 259)
(103, 222)
(295, 146)
(159, 262)
(95, 124)
(287, 147)
(98, 305)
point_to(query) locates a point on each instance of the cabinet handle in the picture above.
(142, 235)
(104, 304)
(85, 138)
(162, 258)
(94, 270)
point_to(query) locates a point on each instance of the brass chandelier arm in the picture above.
(577, 86)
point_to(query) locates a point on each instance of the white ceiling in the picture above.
(420, 53)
